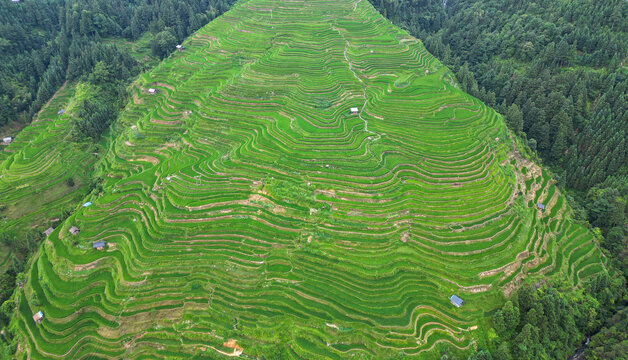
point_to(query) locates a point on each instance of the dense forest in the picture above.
(543, 321)
(557, 71)
(612, 341)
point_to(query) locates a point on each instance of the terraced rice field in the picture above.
(34, 169)
(245, 202)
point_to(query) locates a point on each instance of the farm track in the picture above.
(243, 201)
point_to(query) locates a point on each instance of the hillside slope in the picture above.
(35, 168)
(244, 201)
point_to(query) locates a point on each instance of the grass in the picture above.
(140, 48)
(243, 201)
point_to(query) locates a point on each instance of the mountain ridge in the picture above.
(244, 200)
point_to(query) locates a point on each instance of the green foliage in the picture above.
(290, 191)
(93, 118)
(606, 207)
(7, 285)
(322, 103)
(163, 43)
(514, 118)
(611, 343)
(546, 323)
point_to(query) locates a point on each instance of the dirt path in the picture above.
(364, 92)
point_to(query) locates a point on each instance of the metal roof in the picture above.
(97, 244)
(456, 300)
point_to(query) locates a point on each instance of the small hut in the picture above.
(354, 110)
(540, 206)
(7, 140)
(74, 230)
(60, 112)
(87, 204)
(180, 47)
(38, 317)
(98, 245)
(152, 91)
(456, 301)
(49, 231)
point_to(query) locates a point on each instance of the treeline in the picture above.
(29, 56)
(25, 245)
(612, 341)
(541, 322)
(550, 319)
(557, 71)
(45, 42)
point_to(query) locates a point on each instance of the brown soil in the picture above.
(150, 159)
(87, 266)
(136, 99)
(165, 122)
(169, 87)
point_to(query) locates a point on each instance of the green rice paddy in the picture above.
(35, 168)
(244, 201)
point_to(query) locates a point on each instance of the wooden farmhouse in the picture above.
(38, 317)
